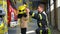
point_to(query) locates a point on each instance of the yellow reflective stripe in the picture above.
(40, 31)
(49, 31)
(40, 24)
(33, 14)
(40, 16)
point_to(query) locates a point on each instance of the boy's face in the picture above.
(40, 8)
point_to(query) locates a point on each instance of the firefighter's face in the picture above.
(40, 8)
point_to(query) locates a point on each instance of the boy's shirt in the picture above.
(24, 21)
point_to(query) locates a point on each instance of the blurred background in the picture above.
(52, 8)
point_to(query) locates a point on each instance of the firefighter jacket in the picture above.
(40, 17)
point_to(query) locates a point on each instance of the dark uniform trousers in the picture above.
(41, 31)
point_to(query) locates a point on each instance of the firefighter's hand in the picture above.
(27, 10)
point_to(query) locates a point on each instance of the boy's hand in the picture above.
(27, 10)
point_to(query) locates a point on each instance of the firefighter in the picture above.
(23, 16)
(41, 19)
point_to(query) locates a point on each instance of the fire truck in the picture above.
(12, 13)
(3, 17)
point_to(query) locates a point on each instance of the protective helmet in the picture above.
(22, 9)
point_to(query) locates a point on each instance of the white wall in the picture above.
(58, 3)
(52, 5)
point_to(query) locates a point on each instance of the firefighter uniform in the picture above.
(41, 22)
(23, 16)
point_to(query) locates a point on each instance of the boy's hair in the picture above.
(42, 4)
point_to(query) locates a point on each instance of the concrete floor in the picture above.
(31, 26)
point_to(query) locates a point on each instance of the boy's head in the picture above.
(41, 7)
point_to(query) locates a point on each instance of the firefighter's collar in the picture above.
(40, 12)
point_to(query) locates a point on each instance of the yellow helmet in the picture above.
(22, 9)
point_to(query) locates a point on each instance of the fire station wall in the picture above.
(52, 13)
(58, 13)
(59, 18)
(58, 10)
(52, 18)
